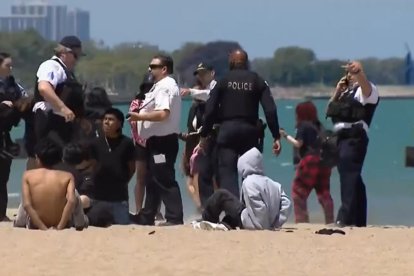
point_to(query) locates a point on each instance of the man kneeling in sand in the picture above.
(49, 196)
(263, 204)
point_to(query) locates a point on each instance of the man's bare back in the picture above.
(48, 197)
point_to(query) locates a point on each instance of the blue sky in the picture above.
(332, 28)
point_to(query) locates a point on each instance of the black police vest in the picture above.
(70, 92)
(239, 100)
(9, 90)
(349, 110)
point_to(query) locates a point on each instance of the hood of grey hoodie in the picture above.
(250, 163)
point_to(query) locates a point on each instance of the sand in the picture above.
(181, 250)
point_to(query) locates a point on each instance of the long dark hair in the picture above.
(98, 98)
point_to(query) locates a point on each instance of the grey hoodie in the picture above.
(267, 205)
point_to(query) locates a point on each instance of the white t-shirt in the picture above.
(164, 95)
(359, 96)
(52, 72)
(203, 94)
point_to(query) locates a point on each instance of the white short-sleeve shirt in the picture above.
(164, 95)
(52, 72)
(359, 96)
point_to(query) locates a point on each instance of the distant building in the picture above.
(51, 21)
(79, 24)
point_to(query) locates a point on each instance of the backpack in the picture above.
(328, 148)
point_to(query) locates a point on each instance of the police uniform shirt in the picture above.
(164, 95)
(359, 96)
(52, 72)
(203, 94)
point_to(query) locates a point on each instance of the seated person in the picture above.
(76, 160)
(49, 196)
(264, 204)
(114, 154)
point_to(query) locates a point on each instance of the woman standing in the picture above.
(310, 173)
(140, 150)
(10, 93)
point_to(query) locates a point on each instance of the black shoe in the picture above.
(159, 217)
(5, 219)
(138, 219)
(169, 223)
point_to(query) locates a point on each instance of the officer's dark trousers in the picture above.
(207, 168)
(48, 124)
(352, 151)
(160, 182)
(5, 165)
(234, 139)
(224, 201)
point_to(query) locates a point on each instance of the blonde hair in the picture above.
(60, 49)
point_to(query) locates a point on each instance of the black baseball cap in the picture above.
(72, 42)
(203, 67)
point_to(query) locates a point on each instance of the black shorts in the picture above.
(140, 153)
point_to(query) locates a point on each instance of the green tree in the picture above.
(293, 66)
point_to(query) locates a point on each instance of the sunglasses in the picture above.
(155, 66)
(75, 55)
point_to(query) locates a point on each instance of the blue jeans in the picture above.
(119, 210)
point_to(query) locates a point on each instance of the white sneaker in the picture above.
(209, 226)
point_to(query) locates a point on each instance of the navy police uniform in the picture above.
(9, 117)
(352, 115)
(234, 104)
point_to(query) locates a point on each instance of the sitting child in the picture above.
(263, 206)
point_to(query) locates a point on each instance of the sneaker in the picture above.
(209, 226)
(5, 219)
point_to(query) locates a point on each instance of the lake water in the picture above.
(390, 186)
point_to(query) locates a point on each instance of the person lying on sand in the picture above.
(49, 196)
(263, 205)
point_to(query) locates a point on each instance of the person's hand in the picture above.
(133, 117)
(342, 85)
(184, 91)
(283, 133)
(8, 103)
(183, 136)
(277, 148)
(67, 114)
(353, 67)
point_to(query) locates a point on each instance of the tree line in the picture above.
(121, 68)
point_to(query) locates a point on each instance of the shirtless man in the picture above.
(49, 196)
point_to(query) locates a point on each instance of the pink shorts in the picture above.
(193, 161)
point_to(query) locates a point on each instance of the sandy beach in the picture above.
(181, 250)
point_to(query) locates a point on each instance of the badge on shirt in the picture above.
(159, 159)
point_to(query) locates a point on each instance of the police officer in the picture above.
(58, 96)
(10, 93)
(206, 164)
(234, 103)
(352, 108)
(159, 124)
